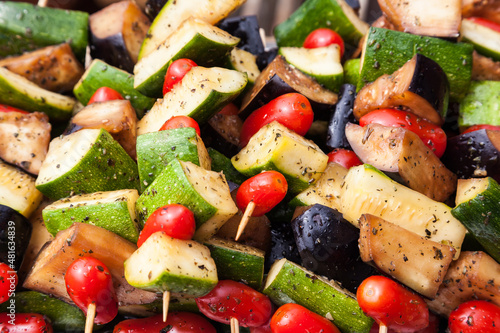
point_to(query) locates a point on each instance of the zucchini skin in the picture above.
(15, 228)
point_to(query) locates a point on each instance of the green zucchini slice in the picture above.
(480, 105)
(485, 40)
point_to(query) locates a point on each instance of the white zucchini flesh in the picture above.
(321, 61)
(484, 37)
(245, 62)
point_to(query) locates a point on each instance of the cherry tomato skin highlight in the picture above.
(323, 37)
(292, 110)
(431, 135)
(180, 122)
(480, 127)
(7, 108)
(8, 282)
(265, 189)
(389, 303)
(475, 317)
(180, 322)
(485, 23)
(346, 158)
(175, 72)
(231, 299)
(88, 280)
(105, 94)
(175, 220)
(24, 322)
(294, 318)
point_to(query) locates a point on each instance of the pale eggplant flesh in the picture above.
(420, 86)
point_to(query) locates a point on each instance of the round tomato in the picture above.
(480, 127)
(24, 322)
(230, 299)
(265, 190)
(104, 94)
(8, 282)
(230, 110)
(391, 304)
(177, 322)
(7, 108)
(292, 110)
(344, 157)
(323, 37)
(485, 23)
(294, 318)
(431, 135)
(88, 281)
(175, 72)
(475, 317)
(180, 122)
(175, 220)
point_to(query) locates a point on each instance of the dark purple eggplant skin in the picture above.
(15, 234)
(246, 28)
(266, 57)
(153, 7)
(111, 50)
(212, 138)
(474, 155)
(328, 245)
(341, 115)
(282, 245)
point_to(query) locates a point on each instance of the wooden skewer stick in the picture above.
(244, 220)
(166, 302)
(42, 3)
(382, 328)
(235, 325)
(89, 322)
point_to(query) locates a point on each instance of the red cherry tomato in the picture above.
(294, 318)
(8, 282)
(230, 299)
(433, 136)
(175, 220)
(7, 108)
(475, 317)
(230, 110)
(88, 281)
(485, 23)
(391, 304)
(266, 190)
(432, 328)
(105, 94)
(175, 72)
(480, 127)
(323, 37)
(24, 322)
(180, 122)
(344, 157)
(177, 322)
(292, 110)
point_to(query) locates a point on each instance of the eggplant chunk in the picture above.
(424, 17)
(282, 245)
(24, 139)
(340, 117)
(488, 9)
(222, 132)
(328, 245)
(153, 7)
(280, 78)
(397, 150)
(419, 263)
(247, 29)
(118, 117)
(15, 233)
(82, 239)
(473, 276)
(484, 68)
(474, 154)
(420, 86)
(116, 34)
(54, 68)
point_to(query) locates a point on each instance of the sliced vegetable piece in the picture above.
(481, 36)
(247, 29)
(480, 104)
(222, 163)
(340, 116)
(15, 234)
(223, 130)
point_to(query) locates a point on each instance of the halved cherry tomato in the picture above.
(24, 322)
(88, 281)
(294, 318)
(323, 37)
(346, 158)
(7, 108)
(480, 127)
(292, 110)
(230, 299)
(175, 72)
(485, 23)
(177, 322)
(265, 189)
(180, 122)
(8, 282)
(391, 304)
(475, 317)
(175, 220)
(105, 94)
(431, 135)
